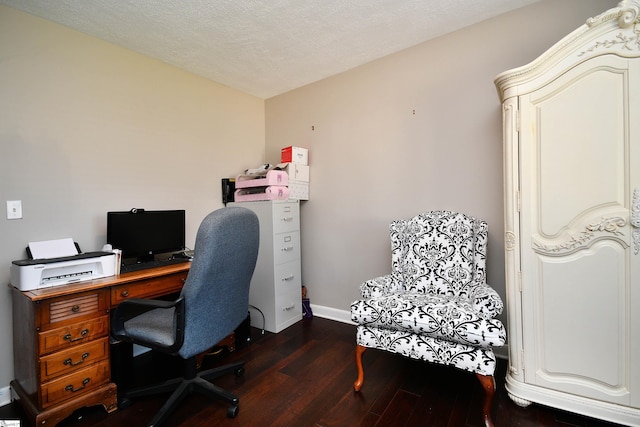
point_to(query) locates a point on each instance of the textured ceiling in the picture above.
(266, 47)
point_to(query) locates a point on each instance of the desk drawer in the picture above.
(78, 333)
(73, 359)
(75, 384)
(148, 288)
(66, 310)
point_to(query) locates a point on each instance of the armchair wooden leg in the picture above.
(359, 351)
(489, 386)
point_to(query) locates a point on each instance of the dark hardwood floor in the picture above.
(303, 376)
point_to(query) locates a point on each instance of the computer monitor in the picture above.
(141, 234)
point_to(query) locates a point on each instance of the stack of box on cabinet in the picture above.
(288, 180)
(295, 161)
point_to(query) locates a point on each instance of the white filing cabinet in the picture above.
(276, 283)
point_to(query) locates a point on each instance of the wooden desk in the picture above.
(61, 340)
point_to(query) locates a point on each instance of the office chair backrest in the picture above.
(216, 291)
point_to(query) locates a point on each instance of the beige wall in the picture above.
(87, 127)
(374, 160)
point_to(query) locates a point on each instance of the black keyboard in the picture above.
(127, 268)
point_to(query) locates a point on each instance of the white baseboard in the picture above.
(343, 316)
(5, 395)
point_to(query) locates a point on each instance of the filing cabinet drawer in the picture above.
(286, 247)
(73, 359)
(286, 217)
(148, 289)
(288, 280)
(70, 309)
(77, 333)
(75, 384)
(288, 310)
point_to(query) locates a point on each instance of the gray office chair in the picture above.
(213, 303)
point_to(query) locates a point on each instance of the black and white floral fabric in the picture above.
(435, 305)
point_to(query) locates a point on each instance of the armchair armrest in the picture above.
(486, 301)
(134, 307)
(380, 286)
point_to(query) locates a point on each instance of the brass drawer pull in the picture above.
(83, 334)
(71, 363)
(124, 294)
(75, 308)
(73, 390)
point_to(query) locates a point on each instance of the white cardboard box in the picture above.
(296, 171)
(298, 190)
(294, 155)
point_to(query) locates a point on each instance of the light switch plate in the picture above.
(14, 209)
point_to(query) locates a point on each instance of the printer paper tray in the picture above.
(262, 193)
(273, 177)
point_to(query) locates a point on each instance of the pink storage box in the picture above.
(273, 177)
(274, 192)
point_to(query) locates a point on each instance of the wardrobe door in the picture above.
(579, 168)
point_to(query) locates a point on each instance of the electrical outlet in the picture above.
(14, 209)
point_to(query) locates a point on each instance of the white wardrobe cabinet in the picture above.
(276, 283)
(572, 220)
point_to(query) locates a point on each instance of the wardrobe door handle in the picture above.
(635, 220)
(635, 208)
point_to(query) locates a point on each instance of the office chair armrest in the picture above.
(133, 307)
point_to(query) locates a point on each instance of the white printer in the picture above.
(30, 274)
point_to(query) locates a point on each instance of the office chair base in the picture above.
(182, 387)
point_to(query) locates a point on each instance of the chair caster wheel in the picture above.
(239, 372)
(124, 402)
(232, 411)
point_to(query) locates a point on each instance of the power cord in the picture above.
(261, 313)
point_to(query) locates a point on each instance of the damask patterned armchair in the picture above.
(435, 305)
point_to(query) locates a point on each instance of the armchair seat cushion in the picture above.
(437, 316)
